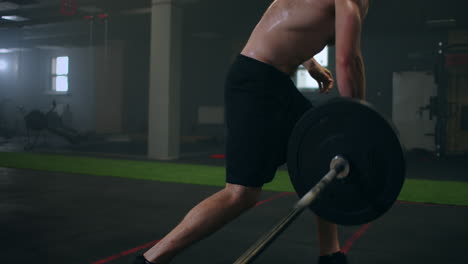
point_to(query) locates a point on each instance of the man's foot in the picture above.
(335, 258)
(141, 260)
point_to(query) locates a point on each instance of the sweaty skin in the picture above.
(291, 32)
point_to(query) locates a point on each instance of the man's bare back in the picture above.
(293, 31)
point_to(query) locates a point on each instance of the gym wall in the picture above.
(29, 87)
(395, 38)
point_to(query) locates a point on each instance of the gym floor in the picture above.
(51, 217)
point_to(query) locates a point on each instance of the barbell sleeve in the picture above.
(338, 166)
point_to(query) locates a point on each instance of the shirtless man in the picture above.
(262, 105)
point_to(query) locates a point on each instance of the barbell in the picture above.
(359, 152)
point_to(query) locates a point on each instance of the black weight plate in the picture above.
(369, 142)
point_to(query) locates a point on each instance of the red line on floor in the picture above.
(355, 237)
(273, 198)
(218, 156)
(125, 253)
(150, 244)
(364, 228)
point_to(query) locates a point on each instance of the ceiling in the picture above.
(54, 22)
(47, 20)
(53, 11)
(387, 12)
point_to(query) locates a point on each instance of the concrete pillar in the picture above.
(165, 75)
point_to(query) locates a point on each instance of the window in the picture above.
(302, 77)
(60, 74)
(3, 65)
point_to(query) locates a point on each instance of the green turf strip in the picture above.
(428, 191)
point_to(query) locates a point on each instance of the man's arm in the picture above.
(311, 64)
(321, 74)
(349, 62)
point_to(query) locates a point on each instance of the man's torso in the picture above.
(291, 32)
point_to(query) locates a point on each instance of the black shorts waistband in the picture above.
(248, 70)
(259, 67)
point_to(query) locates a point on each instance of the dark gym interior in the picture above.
(76, 78)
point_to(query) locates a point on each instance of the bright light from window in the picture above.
(60, 69)
(3, 65)
(61, 66)
(15, 18)
(60, 84)
(303, 78)
(322, 57)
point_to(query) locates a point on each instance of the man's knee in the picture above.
(241, 195)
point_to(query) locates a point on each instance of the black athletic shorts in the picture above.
(262, 105)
